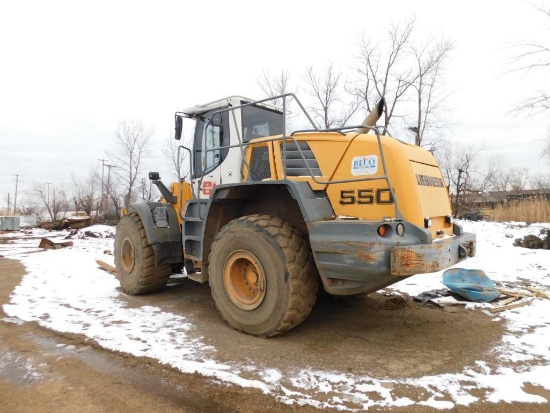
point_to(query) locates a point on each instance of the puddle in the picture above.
(144, 381)
(17, 369)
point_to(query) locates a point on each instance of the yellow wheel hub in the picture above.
(244, 280)
(127, 254)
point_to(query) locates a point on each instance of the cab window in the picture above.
(259, 122)
(211, 133)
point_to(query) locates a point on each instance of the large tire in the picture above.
(262, 275)
(135, 258)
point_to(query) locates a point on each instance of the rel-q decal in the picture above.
(364, 165)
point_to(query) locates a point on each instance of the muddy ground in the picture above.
(383, 336)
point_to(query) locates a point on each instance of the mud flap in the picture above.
(162, 230)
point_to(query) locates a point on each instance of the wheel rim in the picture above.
(127, 254)
(244, 280)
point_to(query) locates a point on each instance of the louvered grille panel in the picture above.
(295, 165)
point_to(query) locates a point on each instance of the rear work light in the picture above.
(427, 222)
(400, 229)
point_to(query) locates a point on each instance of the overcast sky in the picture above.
(70, 71)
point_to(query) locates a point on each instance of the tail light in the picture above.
(386, 230)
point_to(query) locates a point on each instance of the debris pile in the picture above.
(534, 242)
(519, 296)
(98, 231)
(48, 244)
(67, 223)
(509, 296)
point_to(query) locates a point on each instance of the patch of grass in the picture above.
(525, 211)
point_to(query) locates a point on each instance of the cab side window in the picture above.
(211, 135)
(211, 142)
(259, 122)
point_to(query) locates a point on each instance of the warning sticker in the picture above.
(364, 165)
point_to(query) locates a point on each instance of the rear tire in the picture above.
(135, 258)
(262, 275)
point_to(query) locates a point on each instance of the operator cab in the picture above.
(220, 127)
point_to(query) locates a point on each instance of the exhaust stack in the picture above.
(372, 117)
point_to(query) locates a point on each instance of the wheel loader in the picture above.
(270, 218)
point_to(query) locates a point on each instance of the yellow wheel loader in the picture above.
(269, 216)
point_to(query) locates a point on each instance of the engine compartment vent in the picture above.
(294, 163)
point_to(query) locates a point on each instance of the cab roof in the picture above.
(233, 101)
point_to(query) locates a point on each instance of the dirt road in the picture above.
(44, 371)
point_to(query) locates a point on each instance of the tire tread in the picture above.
(303, 277)
(151, 278)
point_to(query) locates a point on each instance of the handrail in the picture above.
(191, 167)
(285, 139)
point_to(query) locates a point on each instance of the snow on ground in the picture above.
(65, 291)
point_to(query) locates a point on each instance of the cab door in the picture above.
(214, 163)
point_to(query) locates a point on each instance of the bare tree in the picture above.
(383, 70)
(53, 198)
(86, 192)
(463, 173)
(485, 173)
(26, 205)
(113, 192)
(132, 141)
(280, 84)
(462, 178)
(545, 153)
(403, 73)
(533, 55)
(326, 89)
(540, 182)
(170, 154)
(502, 180)
(430, 58)
(519, 179)
(276, 85)
(147, 191)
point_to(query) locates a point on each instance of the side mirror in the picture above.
(179, 127)
(165, 192)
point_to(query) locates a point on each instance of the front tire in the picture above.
(262, 275)
(135, 258)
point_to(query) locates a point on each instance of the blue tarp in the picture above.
(474, 285)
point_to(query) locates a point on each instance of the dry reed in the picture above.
(522, 211)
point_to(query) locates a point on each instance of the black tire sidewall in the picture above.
(127, 226)
(265, 319)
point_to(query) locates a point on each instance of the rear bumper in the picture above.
(440, 254)
(352, 258)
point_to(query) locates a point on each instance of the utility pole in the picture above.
(102, 184)
(48, 207)
(48, 198)
(15, 198)
(108, 181)
(7, 213)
